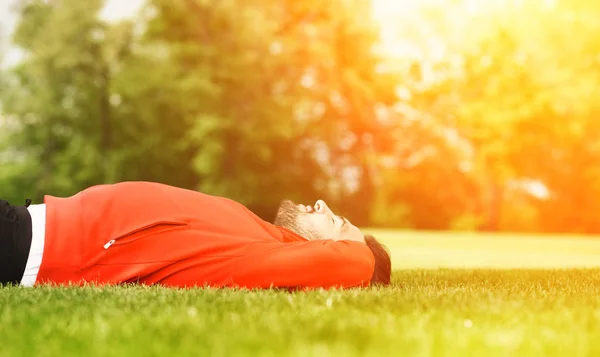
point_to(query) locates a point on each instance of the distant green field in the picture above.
(411, 250)
(471, 311)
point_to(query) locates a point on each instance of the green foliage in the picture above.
(56, 98)
(260, 100)
(276, 86)
(509, 103)
(240, 99)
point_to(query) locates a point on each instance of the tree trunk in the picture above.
(105, 125)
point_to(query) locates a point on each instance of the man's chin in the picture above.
(286, 203)
(286, 214)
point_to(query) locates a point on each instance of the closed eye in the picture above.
(344, 220)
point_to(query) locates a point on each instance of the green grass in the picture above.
(412, 250)
(471, 311)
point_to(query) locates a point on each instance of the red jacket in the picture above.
(152, 233)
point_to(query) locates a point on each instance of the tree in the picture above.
(251, 100)
(57, 98)
(285, 93)
(515, 105)
(85, 107)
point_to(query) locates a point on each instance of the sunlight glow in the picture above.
(408, 28)
(117, 10)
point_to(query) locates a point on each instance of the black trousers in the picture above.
(15, 241)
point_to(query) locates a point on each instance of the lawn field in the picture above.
(466, 295)
(412, 250)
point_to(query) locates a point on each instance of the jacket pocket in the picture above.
(145, 231)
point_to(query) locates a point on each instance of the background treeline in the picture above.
(456, 117)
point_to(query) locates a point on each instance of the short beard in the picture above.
(288, 217)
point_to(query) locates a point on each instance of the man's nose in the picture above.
(321, 207)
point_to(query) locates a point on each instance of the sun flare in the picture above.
(410, 28)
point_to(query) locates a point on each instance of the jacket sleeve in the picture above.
(312, 264)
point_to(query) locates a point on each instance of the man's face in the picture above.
(316, 222)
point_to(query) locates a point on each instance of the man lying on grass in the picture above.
(149, 233)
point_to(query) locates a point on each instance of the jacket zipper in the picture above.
(109, 243)
(168, 225)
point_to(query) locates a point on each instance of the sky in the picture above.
(114, 10)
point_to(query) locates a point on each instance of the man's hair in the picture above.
(383, 264)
